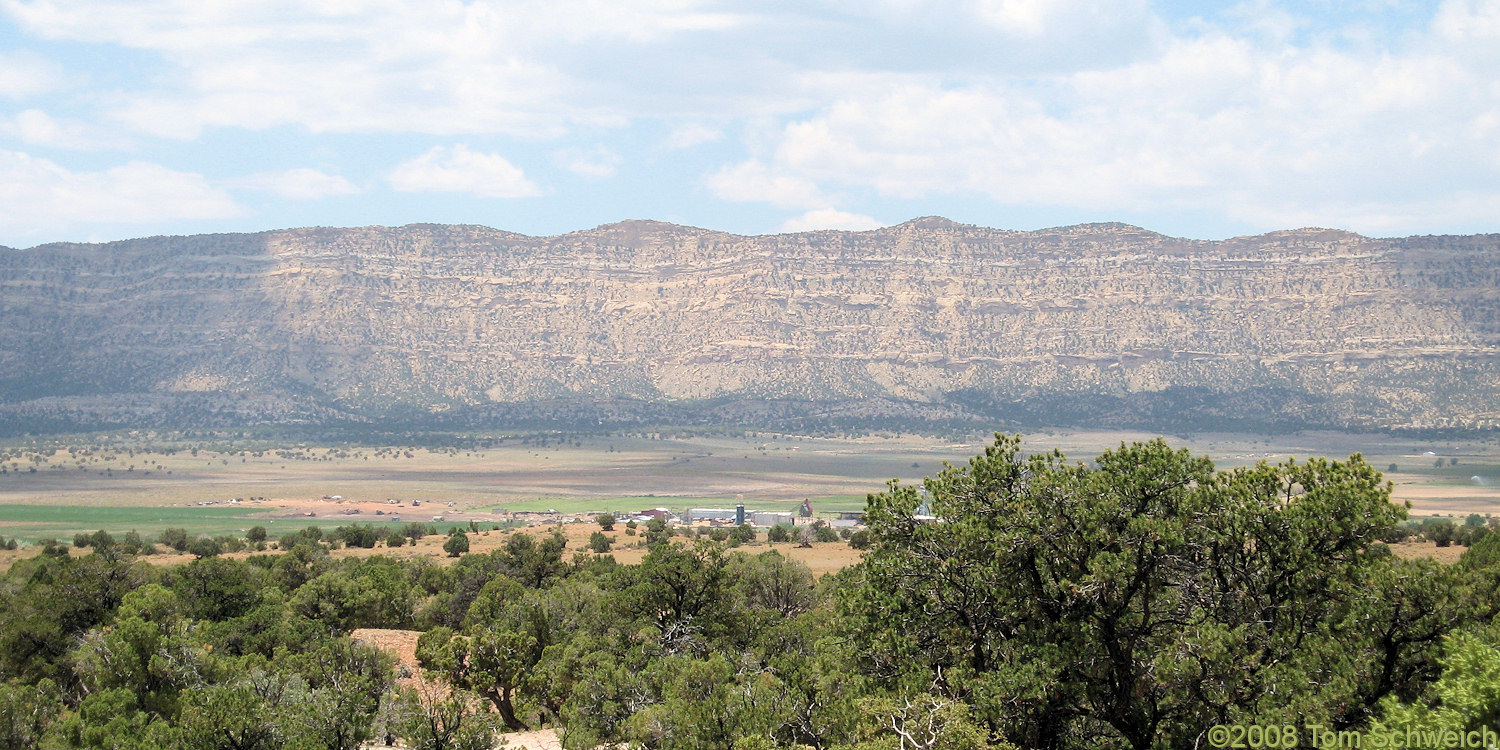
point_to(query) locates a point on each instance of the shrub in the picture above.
(135, 544)
(356, 535)
(600, 542)
(457, 544)
(742, 534)
(1441, 533)
(201, 548)
(779, 533)
(175, 538)
(657, 532)
(860, 539)
(230, 543)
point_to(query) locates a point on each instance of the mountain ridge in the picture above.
(920, 222)
(926, 321)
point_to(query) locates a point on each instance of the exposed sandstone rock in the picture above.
(1102, 323)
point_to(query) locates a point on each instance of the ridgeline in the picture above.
(925, 323)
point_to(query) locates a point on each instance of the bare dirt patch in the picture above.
(401, 644)
(1428, 550)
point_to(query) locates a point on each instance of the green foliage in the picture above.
(108, 719)
(201, 548)
(217, 589)
(1145, 586)
(364, 536)
(1465, 698)
(26, 711)
(150, 651)
(239, 715)
(457, 544)
(600, 542)
(1441, 533)
(1130, 602)
(773, 583)
(533, 563)
(779, 533)
(98, 539)
(176, 538)
(49, 603)
(681, 592)
(606, 521)
(429, 719)
(860, 539)
(1484, 553)
(921, 722)
(742, 534)
(378, 592)
(657, 532)
(134, 544)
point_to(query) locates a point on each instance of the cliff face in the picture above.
(1098, 324)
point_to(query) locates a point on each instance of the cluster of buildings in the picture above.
(736, 516)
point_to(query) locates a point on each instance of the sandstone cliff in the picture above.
(644, 321)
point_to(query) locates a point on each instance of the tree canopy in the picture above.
(1015, 601)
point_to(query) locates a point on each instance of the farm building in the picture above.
(694, 515)
(771, 518)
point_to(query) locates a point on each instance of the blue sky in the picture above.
(126, 118)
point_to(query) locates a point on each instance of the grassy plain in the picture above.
(118, 486)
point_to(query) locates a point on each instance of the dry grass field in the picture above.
(1418, 550)
(113, 483)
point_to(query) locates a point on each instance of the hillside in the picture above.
(645, 322)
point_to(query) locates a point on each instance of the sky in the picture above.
(129, 118)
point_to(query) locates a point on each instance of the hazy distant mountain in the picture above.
(640, 321)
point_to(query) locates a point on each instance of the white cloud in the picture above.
(828, 218)
(753, 181)
(596, 163)
(540, 68)
(692, 134)
(24, 75)
(1214, 124)
(34, 127)
(302, 184)
(1266, 111)
(456, 169)
(38, 195)
(528, 68)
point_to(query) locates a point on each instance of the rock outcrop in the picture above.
(1102, 324)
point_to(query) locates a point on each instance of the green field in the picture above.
(822, 506)
(85, 483)
(29, 523)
